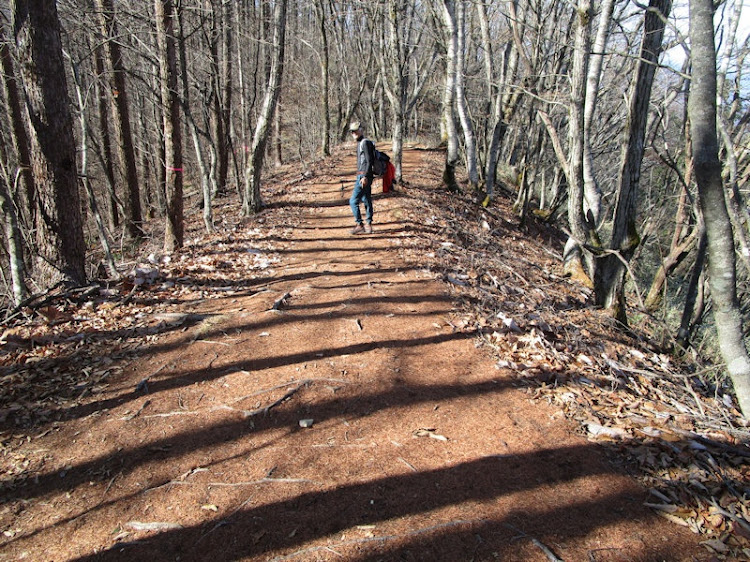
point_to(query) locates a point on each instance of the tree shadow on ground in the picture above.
(289, 524)
(80, 360)
(178, 378)
(282, 526)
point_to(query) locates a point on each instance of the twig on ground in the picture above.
(546, 550)
(224, 521)
(278, 303)
(142, 385)
(407, 463)
(385, 538)
(128, 297)
(137, 412)
(153, 526)
(264, 480)
(275, 403)
(245, 413)
(284, 385)
(733, 516)
(111, 482)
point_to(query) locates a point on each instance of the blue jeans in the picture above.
(361, 194)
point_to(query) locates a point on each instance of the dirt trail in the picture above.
(419, 448)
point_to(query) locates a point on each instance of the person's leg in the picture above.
(367, 197)
(355, 199)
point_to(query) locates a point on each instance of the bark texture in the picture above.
(59, 234)
(174, 231)
(120, 111)
(610, 271)
(721, 256)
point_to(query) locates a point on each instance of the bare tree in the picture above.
(403, 85)
(192, 125)
(579, 227)
(174, 231)
(59, 232)
(449, 130)
(610, 270)
(721, 255)
(226, 79)
(18, 136)
(470, 145)
(502, 100)
(82, 103)
(117, 93)
(105, 152)
(252, 202)
(320, 10)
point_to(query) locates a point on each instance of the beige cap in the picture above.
(355, 126)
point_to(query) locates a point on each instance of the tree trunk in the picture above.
(226, 79)
(470, 144)
(610, 271)
(100, 228)
(574, 253)
(396, 83)
(450, 134)
(324, 77)
(693, 307)
(19, 137)
(252, 202)
(721, 259)
(105, 153)
(215, 114)
(592, 191)
(8, 206)
(174, 231)
(121, 119)
(205, 176)
(59, 232)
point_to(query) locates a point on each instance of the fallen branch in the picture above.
(172, 413)
(278, 303)
(385, 538)
(264, 480)
(137, 412)
(733, 516)
(546, 550)
(284, 385)
(155, 526)
(266, 390)
(275, 403)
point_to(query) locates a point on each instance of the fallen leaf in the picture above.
(425, 432)
(716, 545)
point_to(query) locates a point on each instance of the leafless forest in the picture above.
(624, 124)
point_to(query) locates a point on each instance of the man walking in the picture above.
(363, 185)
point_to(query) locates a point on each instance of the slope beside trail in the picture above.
(417, 447)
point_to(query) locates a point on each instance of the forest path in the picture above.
(419, 447)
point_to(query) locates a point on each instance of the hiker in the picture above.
(363, 185)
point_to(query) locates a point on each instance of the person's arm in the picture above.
(370, 160)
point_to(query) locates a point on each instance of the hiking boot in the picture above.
(368, 228)
(358, 229)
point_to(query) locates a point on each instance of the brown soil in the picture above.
(419, 448)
